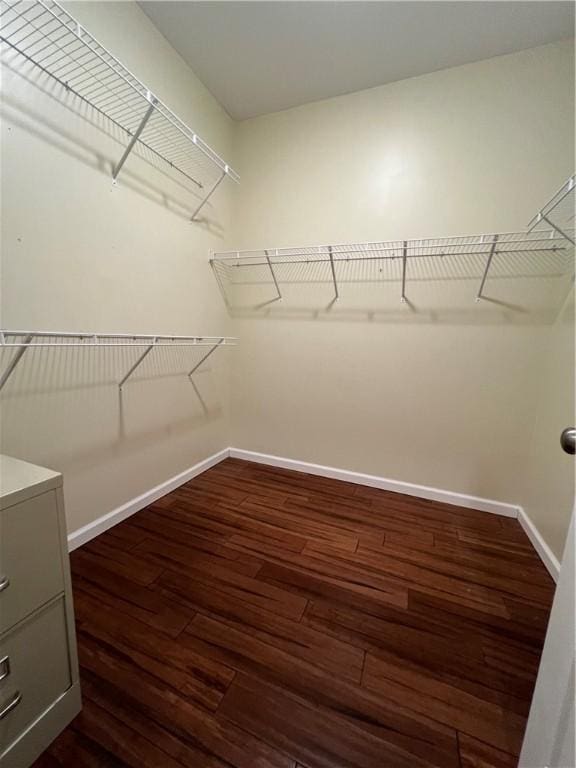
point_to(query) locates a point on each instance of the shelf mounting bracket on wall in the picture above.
(560, 231)
(205, 357)
(336, 294)
(137, 363)
(404, 265)
(273, 274)
(209, 195)
(16, 359)
(135, 136)
(487, 267)
(559, 208)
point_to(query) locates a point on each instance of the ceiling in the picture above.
(260, 57)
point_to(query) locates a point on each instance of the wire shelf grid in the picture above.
(46, 35)
(396, 259)
(20, 341)
(462, 245)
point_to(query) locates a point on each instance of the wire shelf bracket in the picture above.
(273, 275)
(333, 270)
(24, 340)
(134, 138)
(487, 267)
(205, 357)
(558, 213)
(47, 36)
(209, 195)
(137, 363)
(404, 265)
(15, 360)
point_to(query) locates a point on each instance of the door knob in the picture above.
(568, 440)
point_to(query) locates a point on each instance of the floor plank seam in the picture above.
(458, 748)
(300, 618)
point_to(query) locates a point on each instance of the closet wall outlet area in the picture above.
(287, 381)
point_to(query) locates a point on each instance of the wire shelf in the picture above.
(46, 35)
(23, 340)
(336, 257)
(558, 212)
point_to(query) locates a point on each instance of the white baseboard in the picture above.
(87, 532)
(398, 486)
(546, 555)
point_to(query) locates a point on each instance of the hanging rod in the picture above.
(485, 245)
(558, 212)
(37, 339)
(46, 35)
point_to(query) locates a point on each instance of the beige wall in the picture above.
(548, 489)
(443, 391)
(81, 254)
(463, 150)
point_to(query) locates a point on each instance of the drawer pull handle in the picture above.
(4, 583)
(12, 704)
(4, 667)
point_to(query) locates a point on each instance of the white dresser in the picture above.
(39, 687)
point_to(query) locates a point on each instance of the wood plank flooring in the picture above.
(261, 618)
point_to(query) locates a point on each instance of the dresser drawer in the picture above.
(37, 670)
(30, 557)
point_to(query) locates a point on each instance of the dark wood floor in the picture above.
(258, 617)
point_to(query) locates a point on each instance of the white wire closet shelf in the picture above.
(277, 261)
(46, 35)
(558, 212)
(20, 341)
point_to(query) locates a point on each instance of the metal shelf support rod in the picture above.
(273, 275)
(134, 138)
(557, 228)
(404, 264)
(210, 193)
(15, 360)
(137, 363)
(558, 198)
(336, 296)
(205, 357)
(487, 267)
